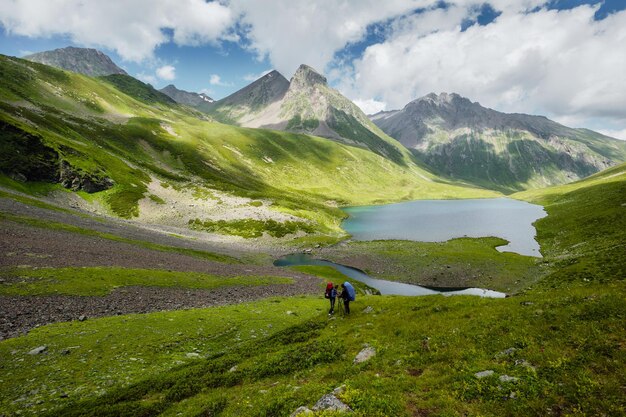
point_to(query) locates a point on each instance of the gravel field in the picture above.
(23, 245)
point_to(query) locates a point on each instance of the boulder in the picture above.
(364, 355)
(330, 402)
(38, 350)
(483, 374)
(302, 411)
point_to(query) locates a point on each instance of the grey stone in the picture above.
(506, 352)
(365, 355)
(82, 318)
(339, 390)
(483, 374)
(330, 402)
(302, 411)
(368, 309)
(38, 350)
(506, 378)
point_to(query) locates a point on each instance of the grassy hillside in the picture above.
(154, 153)
(554, 349)
(584, 235)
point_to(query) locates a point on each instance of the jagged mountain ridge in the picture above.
(84, 61)
(305, 104)
(462, 139)
(187, 98)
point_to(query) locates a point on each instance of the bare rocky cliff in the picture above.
(84, 61)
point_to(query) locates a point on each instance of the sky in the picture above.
(565, 59)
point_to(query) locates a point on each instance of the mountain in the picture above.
(185, 97)
(84, 61)
(305, 104)
(244, 106)
(143, 156)
(461, 139)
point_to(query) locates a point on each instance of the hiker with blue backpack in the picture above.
(347, 294)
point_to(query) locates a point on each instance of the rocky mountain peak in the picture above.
(87, 61)
(186, 97)
(306, 76)
(442, 100)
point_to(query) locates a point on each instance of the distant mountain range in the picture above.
(462, 139)
(447, 133)
(84, 61)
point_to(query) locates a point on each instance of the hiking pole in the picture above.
(343, 312)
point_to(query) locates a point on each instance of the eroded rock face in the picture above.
(76, 180)
(26, 157)
(85, 61)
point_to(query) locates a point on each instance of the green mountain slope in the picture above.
(164, 164)
(507, 152)
(585, 231)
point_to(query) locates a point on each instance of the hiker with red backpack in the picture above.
(331, 294)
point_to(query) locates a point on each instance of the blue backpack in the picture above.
(351, 292)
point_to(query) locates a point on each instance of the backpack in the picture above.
(350, 289)
(329, 288)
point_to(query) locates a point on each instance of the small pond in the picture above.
(384, 286)
(441, 220)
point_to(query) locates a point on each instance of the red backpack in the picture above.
(329, 288)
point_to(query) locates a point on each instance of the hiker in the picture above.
(347, 294)
(331, 294)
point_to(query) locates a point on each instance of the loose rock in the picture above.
(506, 378)
(506, 352)
(365, 355)
(368, 309)
(38, 350)
(302, 411)
(339, 390)
(483, 374)
(330, 402)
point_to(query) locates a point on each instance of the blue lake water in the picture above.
(384, 286)
(441, 220)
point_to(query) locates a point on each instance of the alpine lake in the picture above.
(435, 221)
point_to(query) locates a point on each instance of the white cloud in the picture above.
(132, 28)
(559, 63)
(617, 134)
(166, 72)
(370, 106)
(217, 80)
(294, 32)
(146, 78)
(254, 77)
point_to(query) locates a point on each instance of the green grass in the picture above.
(584, 234)
(251, 228)
(102, 280)
(463, 262)
(428, 350)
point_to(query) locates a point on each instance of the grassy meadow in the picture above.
(555, 347)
